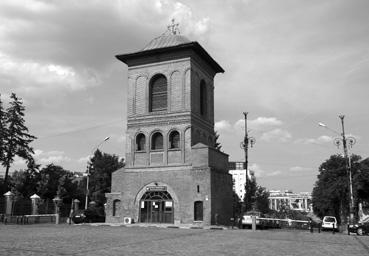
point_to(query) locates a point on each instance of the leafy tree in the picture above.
(24, 182)
(3, 131)
(236, 204)
(49, 180)
(101, 167)
(331, 191)
(262, 199)
(249, 198)
(217, 144)
(17, 139)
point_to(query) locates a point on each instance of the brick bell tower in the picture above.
(173, 173)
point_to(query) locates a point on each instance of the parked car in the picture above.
(246, 220)
(329, 223)
(360, 228)
(79, 217)
(91, 214)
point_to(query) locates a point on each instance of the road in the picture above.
(49, 239)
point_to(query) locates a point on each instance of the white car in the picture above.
(329, 223)
(246, 220)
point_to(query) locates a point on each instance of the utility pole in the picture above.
(351, 141)
(245, 146)
(348, 169)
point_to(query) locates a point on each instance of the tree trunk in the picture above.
(6, 176)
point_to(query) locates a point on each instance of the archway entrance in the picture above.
(156, 207)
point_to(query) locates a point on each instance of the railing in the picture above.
(28, 219)
(283, 223)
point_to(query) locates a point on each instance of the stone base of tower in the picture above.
(200, 193)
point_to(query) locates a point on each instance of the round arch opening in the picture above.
(156, 207)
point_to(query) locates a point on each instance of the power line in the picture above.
(80, 129)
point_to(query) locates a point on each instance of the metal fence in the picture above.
(21, 211)
(270, 223)
(2, 205)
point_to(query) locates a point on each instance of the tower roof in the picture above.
(166, 40)
(168, 43)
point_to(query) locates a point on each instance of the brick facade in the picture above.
(192, 172)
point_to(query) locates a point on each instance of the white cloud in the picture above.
(320, 140)
(33, 6)
(276, 135)
(259, 172)
(85, 159)
(300, 169)
(55, 157)
(223, 125)
(259, 123)
(36, 77)
(19, 161)
(262, 122)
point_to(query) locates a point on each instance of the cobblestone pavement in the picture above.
(76, 240)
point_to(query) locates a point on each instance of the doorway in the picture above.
(156, 207)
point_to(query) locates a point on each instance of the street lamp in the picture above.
(87, 174)
(245, 146)
(351, 141)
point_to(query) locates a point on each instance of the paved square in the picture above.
(76, 240)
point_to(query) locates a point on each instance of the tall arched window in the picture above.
(157, 141)
(116, 207)
(140, 142)
(203, 98)
(158, 93)
(174, 139)
(198, 211)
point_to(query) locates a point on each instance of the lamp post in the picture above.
(351, 141)
(88, 171)
(245, 146)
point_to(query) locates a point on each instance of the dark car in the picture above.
(360, 228)
(91, 214)
(79, 217)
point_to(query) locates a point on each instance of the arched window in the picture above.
(140, 142)
(174, 139)
(198, 211)
(116, 207)
(158, 93)
(203, 98)
(157, 141)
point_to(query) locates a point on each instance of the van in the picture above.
(329, 223)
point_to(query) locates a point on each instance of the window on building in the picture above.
(140, 142)
(203, 98)
(158, 93)
(157, 141)
(116, 207)
(198, 211)
(174, 139)
(240, 165)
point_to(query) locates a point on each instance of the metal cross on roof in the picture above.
(173, 28)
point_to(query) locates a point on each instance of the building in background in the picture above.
(238, 172)
(295, 201)
(173, 173)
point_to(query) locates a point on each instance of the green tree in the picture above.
(217, 144)
(24, 182)
(3, 131)
(331, 191)
(236, 204)
(262, 199)
(48, 184)
(361, 180)
(101, 167)
(17, 140)
(250, 194)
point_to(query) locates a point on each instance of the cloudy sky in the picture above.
(289, 63)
